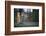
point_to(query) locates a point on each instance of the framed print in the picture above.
(24, 17)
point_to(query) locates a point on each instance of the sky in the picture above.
(26, 10)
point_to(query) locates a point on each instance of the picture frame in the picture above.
(11, 5)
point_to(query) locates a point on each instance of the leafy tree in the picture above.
(35, 15)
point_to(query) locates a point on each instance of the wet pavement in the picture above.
(27, 24)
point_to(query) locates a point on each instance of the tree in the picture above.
(35, 15)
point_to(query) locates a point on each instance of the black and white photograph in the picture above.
(25, 17)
